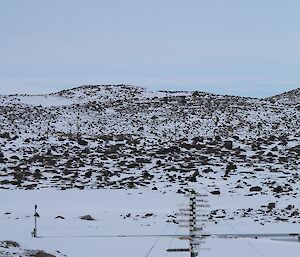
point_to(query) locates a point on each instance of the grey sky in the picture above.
(243, 47)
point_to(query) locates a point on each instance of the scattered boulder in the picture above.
(193, 178)
(278, 189)
(41, 254)
(147, 215)
(5, 135)
(228, 144)
(231, 166)
(281, 219)
(208, 170)
(215, 192)
(87, 217)
(60, 217)
(82, 142)
(255, 189)
(10, 243)
(271, 206)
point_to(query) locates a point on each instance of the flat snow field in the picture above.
(139, 214)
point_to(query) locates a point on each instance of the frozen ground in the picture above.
(147, 220)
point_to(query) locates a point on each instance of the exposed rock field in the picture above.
(126, 137)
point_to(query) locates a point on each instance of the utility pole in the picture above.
(192, 224)
(196, 235)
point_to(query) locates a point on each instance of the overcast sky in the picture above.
(241, 47)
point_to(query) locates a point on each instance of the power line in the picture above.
(172, 239)
(156, 241)
(143, 76)
(97, 41)
(62, 60)
(177, 227)
(246, 240)
(94, 66)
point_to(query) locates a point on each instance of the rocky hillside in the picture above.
(127, 137)
(289, 98)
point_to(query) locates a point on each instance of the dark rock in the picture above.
(271, 206)
(228, 144)
(133, 165)
(87, 217)
(86, 150)
(82, 142)
(130, 185)
(278, 189)
(198, 139)
(193, 178)
(215, 192)
(42, 254)
(179, 191)
(255, 189)
(295, 213)
(217, 138)
(231, 166)
(147, 175)
(172, 149)
(88, 174)
(281, 219)
(208, 170)
(60, 217)
(148, 215)
(272, 138)
(5, 135)
(158, 162)
(10, 243)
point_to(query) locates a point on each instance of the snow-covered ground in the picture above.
(37, 100)
(139, 214)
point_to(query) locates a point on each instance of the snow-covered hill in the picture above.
(290, 98)
(124, 136)
(243, 152)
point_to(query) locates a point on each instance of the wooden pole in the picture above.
(192, 222)
(35, 222)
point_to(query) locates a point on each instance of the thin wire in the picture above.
(83, 39)
(164, 231)
(80, 39)
(94, 66)
(177, 227)
(247, 241)
(172, 239)
(235, 230)
(63, 60)
(156, 241)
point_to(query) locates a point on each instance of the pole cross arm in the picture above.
(179, 250)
